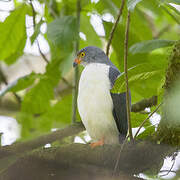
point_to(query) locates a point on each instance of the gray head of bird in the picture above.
(91, 54)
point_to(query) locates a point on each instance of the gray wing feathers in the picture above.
(119, 104)
(120, 112)
(113, 74)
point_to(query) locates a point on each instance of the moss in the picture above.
(173, 70)
(168, 132)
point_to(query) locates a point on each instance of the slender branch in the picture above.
(43, 56)
(66, 82)
(3, 77)
(167, 171)
(34, 25)
(51, 10)
(119, 156)
(147, 119)
(76, 74)
(114, 27)
(150, 22)
(170, 170)
(126, 76)
(162, 31)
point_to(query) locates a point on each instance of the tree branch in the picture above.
(76, 74)
(83, 160)
(114, 27)
(126, 75)
(22, 147)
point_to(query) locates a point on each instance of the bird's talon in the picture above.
(98, 143)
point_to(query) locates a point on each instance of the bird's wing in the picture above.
(119, 105)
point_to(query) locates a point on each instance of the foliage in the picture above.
(41, 109)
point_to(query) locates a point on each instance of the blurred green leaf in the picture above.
(37, 100)
(91, 37)
(63, 32)
(131, 4)
(148, 46)
(58, 115)
(106, 6)
(21, 83)
(36, 31)
(172, 1)
(13, 35)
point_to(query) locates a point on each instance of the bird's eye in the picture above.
(82, 54)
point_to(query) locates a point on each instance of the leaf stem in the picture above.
(126, 75)
(76, 73)
(114, 27)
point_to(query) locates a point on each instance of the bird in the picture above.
(102, 112)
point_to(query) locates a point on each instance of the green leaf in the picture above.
(136, 75)
(21, 83)
(148, 46)
(37, 100)
(148, 132)
(58, 115)
(36, 31)
(63, 32)
(131, 4)
(172, 1)
(106, 6)
(13, 35)
(137, 119)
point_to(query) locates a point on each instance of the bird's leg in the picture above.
(98, 143)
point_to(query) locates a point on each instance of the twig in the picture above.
(150, 22)
(76, 74)
(119, 156)
(34, 25)
(170, 170)
(3, 77)
(52, 12)
(43, 56)
(147, 119)
(114, 27)
(162, 31)
(67, 83)
(126, 75)
(167, 170)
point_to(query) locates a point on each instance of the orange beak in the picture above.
(76, 62)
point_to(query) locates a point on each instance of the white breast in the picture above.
(95, 103)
